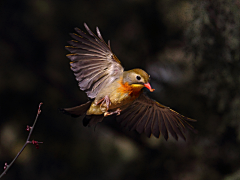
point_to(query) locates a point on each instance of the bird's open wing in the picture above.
(147, 115)
(92, 61)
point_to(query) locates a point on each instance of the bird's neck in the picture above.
(131, 89)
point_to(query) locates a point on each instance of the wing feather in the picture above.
(138, 118)
(93, 39)
(163, 127)
(177, 130)
(156, 125)
(167, 121)
(141, 124)
(149, 122)
(148, 116)
(131, 116)
(134, 118)
(84, 43)
(84, 51)
(92, 61)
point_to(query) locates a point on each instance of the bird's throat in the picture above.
(132, 90)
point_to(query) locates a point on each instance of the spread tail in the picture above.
(78, 110)
(88, 120)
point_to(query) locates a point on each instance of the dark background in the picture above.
(191, 50)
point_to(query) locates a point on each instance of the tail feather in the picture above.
(78, 110)
(88, 120)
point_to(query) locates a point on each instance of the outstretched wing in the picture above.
(92, 61)
(148, 116)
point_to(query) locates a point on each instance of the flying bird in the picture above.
(111, 90)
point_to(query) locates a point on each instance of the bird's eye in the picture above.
(138, 78)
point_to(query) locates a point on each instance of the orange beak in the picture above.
(147, 85)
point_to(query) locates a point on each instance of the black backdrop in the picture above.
(191, 52)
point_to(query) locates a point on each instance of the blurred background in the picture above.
(190, 49)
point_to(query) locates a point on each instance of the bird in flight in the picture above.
(113, 91)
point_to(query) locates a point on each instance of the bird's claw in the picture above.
(118, 111)
(105, 100)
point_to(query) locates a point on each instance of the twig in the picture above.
(36, 143)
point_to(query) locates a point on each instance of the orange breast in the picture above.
(125, 88)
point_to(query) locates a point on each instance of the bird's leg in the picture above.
(118, 110)
(105, 100)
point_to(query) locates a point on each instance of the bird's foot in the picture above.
(118, 111)
(105, 100)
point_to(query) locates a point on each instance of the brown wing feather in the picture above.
(92, 61)
(148, 116)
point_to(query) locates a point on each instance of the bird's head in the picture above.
(137, 79)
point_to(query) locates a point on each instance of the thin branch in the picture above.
(36, 143)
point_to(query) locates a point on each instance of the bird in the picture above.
(112, 91)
